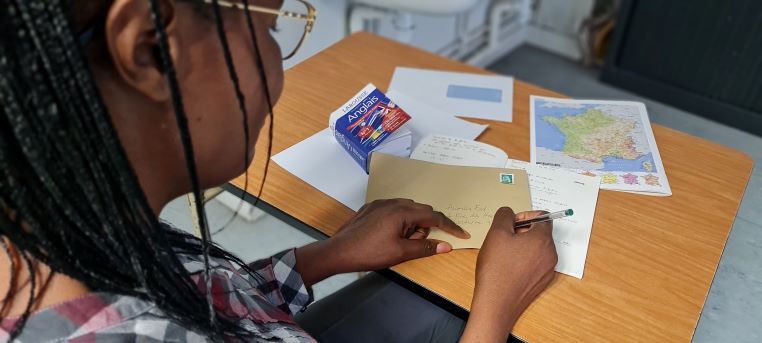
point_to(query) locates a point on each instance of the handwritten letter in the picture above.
(459, 152)
(556, 190)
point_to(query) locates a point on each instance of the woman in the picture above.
(111, 108)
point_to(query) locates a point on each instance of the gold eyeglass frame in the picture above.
(309, 17)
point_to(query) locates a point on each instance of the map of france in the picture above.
(603, 137)
(594, 135)
(612, 140)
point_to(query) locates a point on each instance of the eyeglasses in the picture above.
(295, 21)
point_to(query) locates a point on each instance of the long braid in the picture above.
(239, 97)
(182, 124)
(47, 40)
(233, 75)
(68, 195)
(268, 96)
(239, 94)
(187, 142)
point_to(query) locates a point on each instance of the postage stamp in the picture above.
(506, 178)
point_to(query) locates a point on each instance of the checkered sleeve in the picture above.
(283, 285)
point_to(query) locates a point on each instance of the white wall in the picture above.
(435, 33)
(432, 32)
(554, 26)
(329, 28)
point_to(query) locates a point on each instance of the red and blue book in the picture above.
(370, 122)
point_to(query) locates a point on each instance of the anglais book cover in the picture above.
(371, 122)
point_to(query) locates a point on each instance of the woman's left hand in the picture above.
(383, 233)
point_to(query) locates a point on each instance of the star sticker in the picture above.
(609, 178)
(648, 166)
(630, 179)
(652, 180)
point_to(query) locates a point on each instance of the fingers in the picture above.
(415, 215)
(544, 228)
(417, 248)
(522, 229)
(426, 217)
(504, 219)
(420, 233)
(529, 215)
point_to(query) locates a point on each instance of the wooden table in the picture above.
(650, 262)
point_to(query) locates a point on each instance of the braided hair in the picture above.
(69, 197)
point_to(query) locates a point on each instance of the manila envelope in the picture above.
(469, 196)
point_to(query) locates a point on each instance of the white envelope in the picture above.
(458, 94)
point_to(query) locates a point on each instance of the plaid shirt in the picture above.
(264, 307)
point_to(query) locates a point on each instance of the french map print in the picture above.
(610, 139)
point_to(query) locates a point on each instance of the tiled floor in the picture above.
(733, 310)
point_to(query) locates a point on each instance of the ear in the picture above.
(131, 41)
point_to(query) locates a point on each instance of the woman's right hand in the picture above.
(512, 269)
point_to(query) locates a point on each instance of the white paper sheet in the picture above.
(610, 139)
(427, 119)
(325, 165)
(555, 190)
(458, 151)
(458, 94)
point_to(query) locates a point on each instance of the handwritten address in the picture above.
(469, 215)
